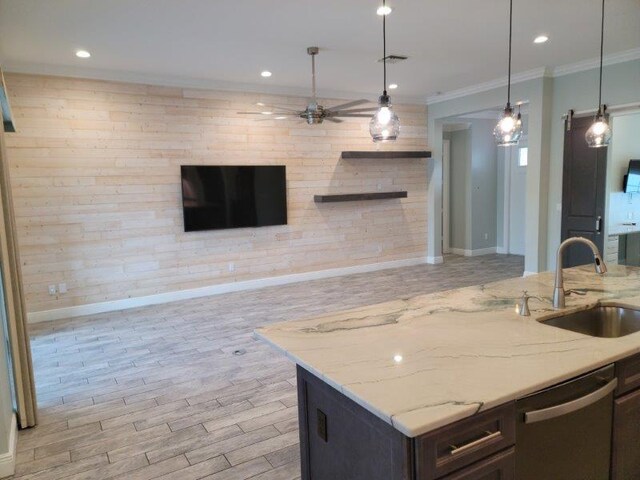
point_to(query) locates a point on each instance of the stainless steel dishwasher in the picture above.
(564, 432)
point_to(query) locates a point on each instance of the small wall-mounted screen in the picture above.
(632, 183)
(220, 197)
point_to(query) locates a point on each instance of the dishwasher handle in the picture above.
(572, 406)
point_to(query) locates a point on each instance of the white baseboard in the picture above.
(435, 260)
(474, 253)
(114, 305)
(501, 250)
(528, 274)
(8, 459)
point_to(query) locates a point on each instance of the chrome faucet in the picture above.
(558, 289)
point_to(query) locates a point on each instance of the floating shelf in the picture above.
(353, 197)
(385, 155)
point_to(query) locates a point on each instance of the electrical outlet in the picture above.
(379, 186)
(231, 267)
(486, 236)
(62, 287)
(630, 216)
(52, 290)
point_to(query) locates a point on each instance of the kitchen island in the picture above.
(409, 368)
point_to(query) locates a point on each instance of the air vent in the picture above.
(394, 58)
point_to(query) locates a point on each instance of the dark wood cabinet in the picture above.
(460, 444)
(498, 467)
(628, 373)
(340, 440)
(625, 461)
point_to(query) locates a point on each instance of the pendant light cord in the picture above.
(510, 41)
(601, 59)
(384, 46)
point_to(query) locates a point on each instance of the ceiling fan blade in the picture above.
(272, 114)
(333, 119)
(278, 107)
(342, 106)
(345, 115)
(355, 110)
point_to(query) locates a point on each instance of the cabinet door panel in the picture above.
(625, 462)
(497, 467)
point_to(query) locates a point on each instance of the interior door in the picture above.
(583, 191)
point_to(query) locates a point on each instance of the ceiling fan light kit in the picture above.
(508, 131)
(599, 133)
(385, 125)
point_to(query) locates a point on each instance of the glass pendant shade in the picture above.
(385, 125)
(599, 133)
(509, 129)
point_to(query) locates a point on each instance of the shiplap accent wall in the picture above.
(96, 178)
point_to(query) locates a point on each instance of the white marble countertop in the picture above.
(423, 362)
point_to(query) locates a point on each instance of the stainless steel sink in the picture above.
(601, 321)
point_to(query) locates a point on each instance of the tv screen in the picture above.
(632, 181)
(220, 197)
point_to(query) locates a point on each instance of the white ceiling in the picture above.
(451, 43)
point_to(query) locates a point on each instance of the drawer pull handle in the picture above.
(455, 450)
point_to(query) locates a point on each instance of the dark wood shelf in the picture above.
(385, 155)
(354, 197)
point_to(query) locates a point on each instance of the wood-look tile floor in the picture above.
(161, 392)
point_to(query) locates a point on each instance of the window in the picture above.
(523, 157)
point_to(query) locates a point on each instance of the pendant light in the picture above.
(599, 133)
(509, 129)
(385, 125)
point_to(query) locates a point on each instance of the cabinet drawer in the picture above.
(455, 446)
(498, 467)
(628, 373)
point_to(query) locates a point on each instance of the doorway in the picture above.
(514, 197)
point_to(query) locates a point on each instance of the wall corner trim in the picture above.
(8, 459)
(126, 303)
(435, 260)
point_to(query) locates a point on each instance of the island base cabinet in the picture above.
(340, 440)
(625, 461)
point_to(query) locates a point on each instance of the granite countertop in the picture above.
(423, 362)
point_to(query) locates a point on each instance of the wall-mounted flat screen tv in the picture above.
(220, 197)
(632, 179)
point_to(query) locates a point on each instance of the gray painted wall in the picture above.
(548, 98)
(579, 91)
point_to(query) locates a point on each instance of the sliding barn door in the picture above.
(583, 191)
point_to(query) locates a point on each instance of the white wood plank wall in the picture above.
(96, 178)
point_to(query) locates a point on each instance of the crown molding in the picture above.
(584, 65)
(490, 85)
(612, 59)
(195, 83)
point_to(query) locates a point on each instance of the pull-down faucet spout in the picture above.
(558, 289)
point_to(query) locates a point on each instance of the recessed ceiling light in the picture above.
(267, 113)
(393, 86)
(541, 39)
(82, 54)
(266, 74)
(384, 10)
(281, 118)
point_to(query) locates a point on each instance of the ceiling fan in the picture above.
(315, 113)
